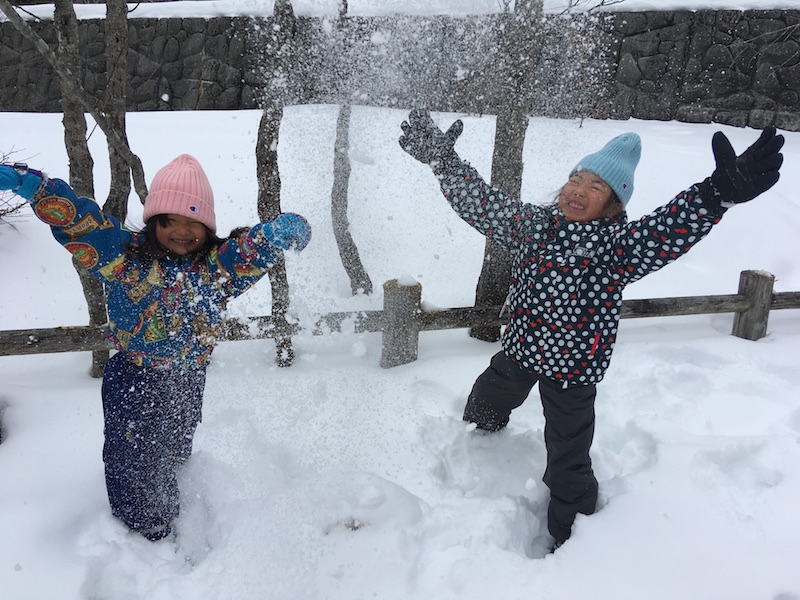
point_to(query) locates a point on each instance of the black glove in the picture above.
(423, 140)
(740, 179)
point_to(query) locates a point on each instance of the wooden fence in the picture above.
(403, 318)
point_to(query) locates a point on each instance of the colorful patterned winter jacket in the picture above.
(567, 277)
(165, 314)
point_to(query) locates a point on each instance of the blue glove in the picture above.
(20, 180)
(288, 231)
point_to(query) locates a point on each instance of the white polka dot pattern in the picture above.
(567, 277)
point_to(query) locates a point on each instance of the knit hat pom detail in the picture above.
(182, 188)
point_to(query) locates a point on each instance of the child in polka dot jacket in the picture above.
(167, 287)
(571, 261)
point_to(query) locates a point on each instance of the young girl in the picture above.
(167, 288)
(571, 262)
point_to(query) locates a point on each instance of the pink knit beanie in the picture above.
(182, 188)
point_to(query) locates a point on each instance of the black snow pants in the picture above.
(150, 417)
(568, 432)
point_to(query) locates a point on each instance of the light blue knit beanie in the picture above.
(615, 163)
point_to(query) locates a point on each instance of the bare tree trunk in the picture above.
(81, 164)
(269, 206)
(71, 83)
(114, 103)
(519, 43)
(348, 251)
(359, 279)
(494, 280)
(75, 101)
(268, 174)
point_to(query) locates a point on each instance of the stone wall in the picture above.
(173, 64)
(735, 67)
(738, 68)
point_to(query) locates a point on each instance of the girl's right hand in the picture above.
(18, 179)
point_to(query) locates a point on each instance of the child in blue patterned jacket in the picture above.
(570, 263)
(167, 288)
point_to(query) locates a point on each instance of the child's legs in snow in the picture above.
(150, 418)
(501, 388)
(568, 432)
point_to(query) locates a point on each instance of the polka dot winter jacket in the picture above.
(164, 314)
(567, 277)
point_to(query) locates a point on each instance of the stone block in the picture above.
(694, 114)
(628, 72)
(787, 121)
(733, 118)
(653, 68)
(759, 119)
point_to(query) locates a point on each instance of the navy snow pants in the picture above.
(150, 418)
(568, 432)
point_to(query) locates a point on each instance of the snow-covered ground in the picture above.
(338, 479)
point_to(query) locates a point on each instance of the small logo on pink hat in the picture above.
(193, 208)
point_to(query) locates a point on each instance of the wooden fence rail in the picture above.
(403, 318)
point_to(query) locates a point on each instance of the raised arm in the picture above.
(670, 231)
(248, 257)
(488, 209)
(77, 223)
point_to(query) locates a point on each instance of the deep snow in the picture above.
(338, 479)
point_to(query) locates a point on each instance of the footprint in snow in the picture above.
(507, 463)
(742, 466)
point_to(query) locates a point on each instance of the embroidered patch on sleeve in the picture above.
(247, 247)
(156, 274)
(175, 323)
(55, 211)
(204, 330)
(171, 297)
(124, 338)
(83, 253)
(115, 269)
(205, 274)
(130, 276)
(156, 329)
(247, 270)
(83, 227)
(138, 292)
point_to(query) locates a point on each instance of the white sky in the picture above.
(213, 8)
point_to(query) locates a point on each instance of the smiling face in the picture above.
(586, 197)
(180, 235)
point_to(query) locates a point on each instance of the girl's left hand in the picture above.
(288, 231)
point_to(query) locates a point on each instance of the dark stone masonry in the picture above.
(740, 68)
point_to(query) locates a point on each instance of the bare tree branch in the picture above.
(590, 5)
(80, 94)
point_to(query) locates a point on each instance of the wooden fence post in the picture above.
(756, 286)
(401, 305)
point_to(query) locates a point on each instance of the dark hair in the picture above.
(613, 199)
(145, 247)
